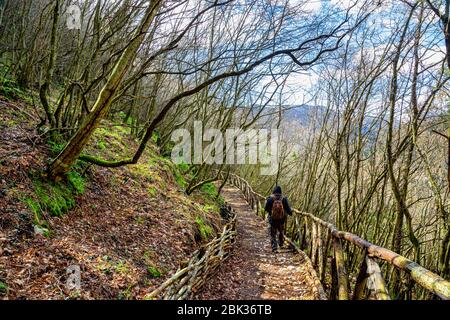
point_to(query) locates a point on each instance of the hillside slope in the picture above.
(125, 228)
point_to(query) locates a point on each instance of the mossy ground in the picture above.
(10, 89)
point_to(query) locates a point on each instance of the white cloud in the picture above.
(312, 6)
(344, 4)
(307, 6)
(299, 87)
(433, 56)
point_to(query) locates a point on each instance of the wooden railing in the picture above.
(203, 264)
(317, 237)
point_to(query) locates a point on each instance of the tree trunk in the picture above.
(72, 151)
(45, 88)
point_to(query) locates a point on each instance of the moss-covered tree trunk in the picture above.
(72, 151)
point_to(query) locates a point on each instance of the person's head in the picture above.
(277, 190)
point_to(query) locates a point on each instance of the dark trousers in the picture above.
(274, 228)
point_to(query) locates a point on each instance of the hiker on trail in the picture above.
(277, 208)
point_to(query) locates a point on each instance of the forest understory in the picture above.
(127, 228)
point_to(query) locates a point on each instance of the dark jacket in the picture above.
(269, 202)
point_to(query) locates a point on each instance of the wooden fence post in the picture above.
(340, 269)
(325, 257)
(376, 281)
(297, 232)
(304, 235)
(334, 280)
(319, 248)
(361, 280)
(308, 237)
(314, 243)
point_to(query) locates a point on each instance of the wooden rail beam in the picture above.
(361, 280)
(314, 244)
